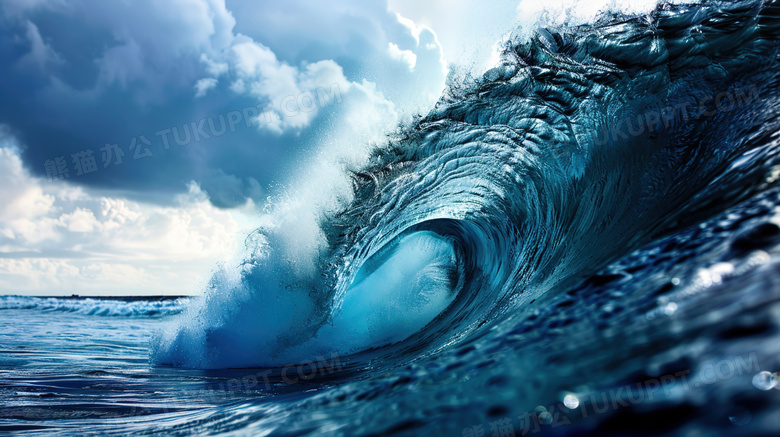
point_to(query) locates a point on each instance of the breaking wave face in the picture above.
(582, 144)
(96, 307)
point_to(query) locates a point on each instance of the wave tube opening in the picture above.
(397, 292)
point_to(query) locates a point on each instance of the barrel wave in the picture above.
(600, 157)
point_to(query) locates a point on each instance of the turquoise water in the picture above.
(584, 240)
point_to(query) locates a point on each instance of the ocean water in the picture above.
(583, 240)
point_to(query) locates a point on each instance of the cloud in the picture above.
(19, 199)
(290, 92)
(56, 238)
(41, 55)
(82, 74)
(204, 85)
(406, 56)
(466, 31)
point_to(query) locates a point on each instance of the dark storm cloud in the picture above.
(83, 80)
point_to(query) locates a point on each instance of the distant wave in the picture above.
(96, 306)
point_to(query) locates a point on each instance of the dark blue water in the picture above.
(583, 240)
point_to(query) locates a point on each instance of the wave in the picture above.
(114, 307)
(581, 145)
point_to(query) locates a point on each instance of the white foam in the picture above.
(96, 307)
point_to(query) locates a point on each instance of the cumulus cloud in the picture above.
(108, 72)
(406, 56)
(466, 31)
(204, 85)
(41, 55)
(291, 94)
(56, 238)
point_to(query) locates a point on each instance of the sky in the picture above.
(141, 141)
